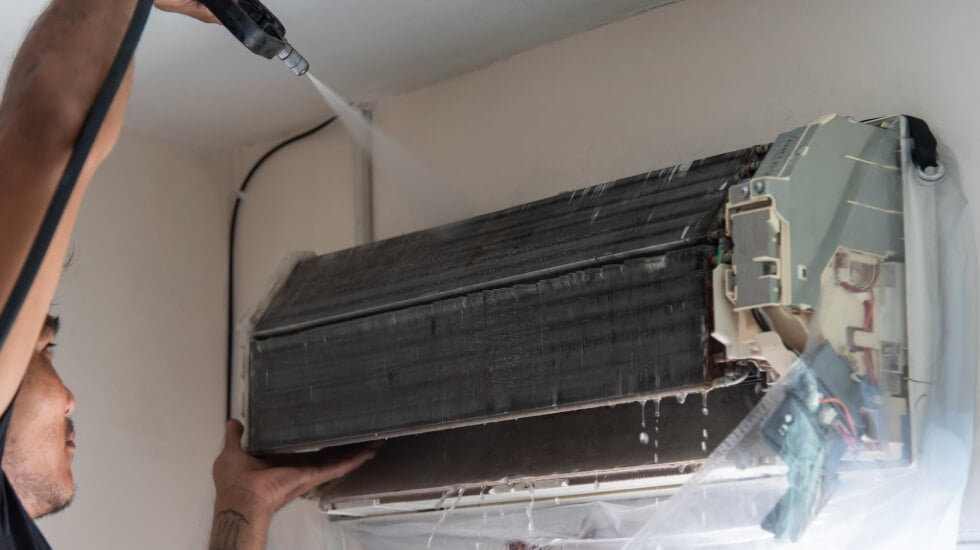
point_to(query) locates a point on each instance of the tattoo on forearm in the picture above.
(227, 527)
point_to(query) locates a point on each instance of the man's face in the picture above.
(41, 437)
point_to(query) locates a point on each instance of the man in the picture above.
(51, 86)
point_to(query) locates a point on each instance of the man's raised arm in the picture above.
(50, 90)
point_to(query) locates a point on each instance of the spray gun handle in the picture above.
(258, 29)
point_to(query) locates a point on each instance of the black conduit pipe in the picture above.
(232, 237)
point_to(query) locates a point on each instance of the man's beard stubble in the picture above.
(38, 492)
(44, 495)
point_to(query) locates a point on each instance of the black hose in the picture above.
(69, 178)
(231, 254)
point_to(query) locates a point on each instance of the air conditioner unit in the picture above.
(599, 345)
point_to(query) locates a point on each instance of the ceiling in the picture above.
(196, 84)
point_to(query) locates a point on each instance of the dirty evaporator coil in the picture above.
(499, 336)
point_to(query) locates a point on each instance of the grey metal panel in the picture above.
(578, 447)
(580, 339)
(755, 237)
(837, 183)
(641, 215)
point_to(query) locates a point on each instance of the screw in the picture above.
(760, 186)
(788, 418)
(743, 191)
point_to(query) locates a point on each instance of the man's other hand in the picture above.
(191, 8)
(242, 481)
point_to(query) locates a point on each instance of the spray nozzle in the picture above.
(258, 29)
(296, 62)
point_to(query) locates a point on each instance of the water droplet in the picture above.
(656, 443)
(704, 433)
(596, 484)
(557, 501)
(681, 398)
(656, 407)
(704, 403)
(644, 438)
(704, 446)
(643, 414)
(656, 458)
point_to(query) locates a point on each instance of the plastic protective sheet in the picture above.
(839, 494)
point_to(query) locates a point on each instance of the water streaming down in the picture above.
(530, 510)
(656, 429)
(644, 436)
(442, 500)
(445, 512)
(483, 522)
(415, 183)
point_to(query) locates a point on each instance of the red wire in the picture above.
(867, 286)
(869, 327)
(869, 281)
(848, 438)
(847, 413)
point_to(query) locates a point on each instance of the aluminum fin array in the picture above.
(591, 297)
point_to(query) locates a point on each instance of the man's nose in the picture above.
(70, 406)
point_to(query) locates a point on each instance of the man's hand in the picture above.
(257, 483)
(192, 8)
(249, 490)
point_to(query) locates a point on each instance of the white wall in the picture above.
(675, 84)
(142, 307)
